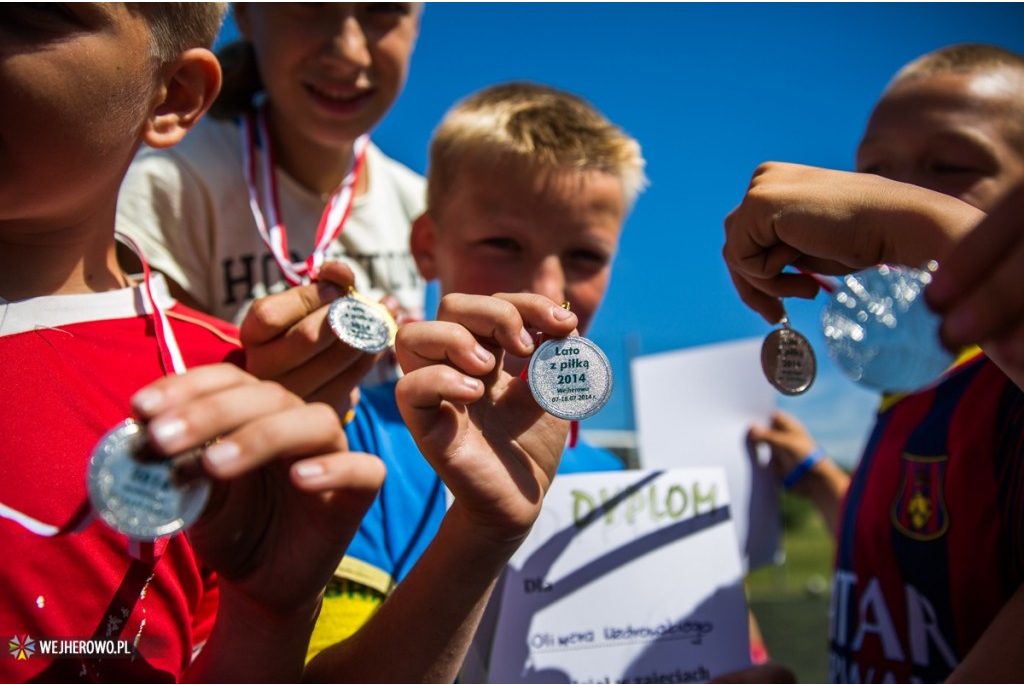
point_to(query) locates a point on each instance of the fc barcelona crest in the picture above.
(919, 510)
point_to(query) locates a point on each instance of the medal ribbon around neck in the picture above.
(172, 361)
(255, 135)
(167, 344)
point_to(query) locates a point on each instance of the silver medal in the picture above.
(362, 324)
(144, 498)
(571, 377)
(788, 360)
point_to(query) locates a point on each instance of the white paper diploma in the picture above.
(629, 577)
(694, 408)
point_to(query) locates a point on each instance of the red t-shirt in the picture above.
(70, 364)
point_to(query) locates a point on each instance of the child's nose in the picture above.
(348, 43)
(549, 279)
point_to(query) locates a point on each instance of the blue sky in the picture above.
(710, 91)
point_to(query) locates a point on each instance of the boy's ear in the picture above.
(421, 244)
(190, 85)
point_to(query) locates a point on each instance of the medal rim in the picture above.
(112, 446)
(810, 355)
(538, 396)
(375, 309)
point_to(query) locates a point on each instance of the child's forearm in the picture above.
(827, 486)
(250, 645)
(921, 225)
(423, 631)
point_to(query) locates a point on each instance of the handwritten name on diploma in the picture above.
(692, 631)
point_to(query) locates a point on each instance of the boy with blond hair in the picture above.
(84, 348)
(528, 190)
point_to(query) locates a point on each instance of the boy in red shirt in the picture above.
(83, 348)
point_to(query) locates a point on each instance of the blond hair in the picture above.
(540, 125)
(179, 26)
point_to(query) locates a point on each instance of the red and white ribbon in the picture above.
(167, 344)
(829, 284)
(255, 135)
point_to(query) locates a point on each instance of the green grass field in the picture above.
(790, 601)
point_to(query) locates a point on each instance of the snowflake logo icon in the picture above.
(22, 648)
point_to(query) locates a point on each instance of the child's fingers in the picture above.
(307, 429)
(424, 343)
(540, 314)
(216, 414)
(421, 394)
(284, 330)
(173, 391)
(508, 319)
(272, 315)
(752, 246)
(744, 254)
(355, 474)
(765, 295)
(337, 273)
(338, 362)
(431, 386)
(346, 482)
(336, 390)
(781, 420)
(768, 306)
(786, 285)
(490, 319)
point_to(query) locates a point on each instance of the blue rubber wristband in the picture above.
(801, 469)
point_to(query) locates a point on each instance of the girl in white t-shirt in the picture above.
(287, 149)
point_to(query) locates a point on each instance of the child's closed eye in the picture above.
(502, 245)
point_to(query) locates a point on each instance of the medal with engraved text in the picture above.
(788, 360)
(362, 324)
(571, 377)
(141, 495)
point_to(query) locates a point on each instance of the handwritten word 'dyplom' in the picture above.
(657, 501)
